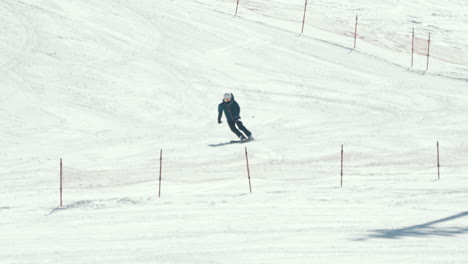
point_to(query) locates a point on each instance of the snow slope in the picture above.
(106, 85)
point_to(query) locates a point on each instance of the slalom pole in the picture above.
(412, 50)
(438, 162)
(341, 165)
(355, 32)
(61, 181)
(428, 50)
(303, 19)
(160, 171)
(248, 169)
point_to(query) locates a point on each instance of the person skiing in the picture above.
(231, 110)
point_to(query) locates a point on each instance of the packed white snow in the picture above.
(106, 85)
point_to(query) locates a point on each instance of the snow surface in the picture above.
(106, 84)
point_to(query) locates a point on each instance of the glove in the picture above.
(219, 122)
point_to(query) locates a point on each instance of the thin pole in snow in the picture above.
(237, 7)
(303, 19)
(355, 32)
(341, 165)
(438, 162)
(428, 50)
(412, 50)
(61, 181)
(160, 172)
(248, 169)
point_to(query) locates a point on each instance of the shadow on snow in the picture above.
(426, 229)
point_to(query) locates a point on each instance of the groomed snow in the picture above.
(106, 85)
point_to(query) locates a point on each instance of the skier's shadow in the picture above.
(426, 229)
(220, 144)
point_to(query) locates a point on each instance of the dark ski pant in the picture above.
(232, 125)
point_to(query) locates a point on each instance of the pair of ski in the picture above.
(240, 141)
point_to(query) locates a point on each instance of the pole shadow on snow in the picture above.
(422, 230)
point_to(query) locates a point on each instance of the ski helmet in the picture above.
(227, 96)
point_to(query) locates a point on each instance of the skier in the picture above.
(231, 110)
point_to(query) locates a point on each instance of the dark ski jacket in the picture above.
(231, 110)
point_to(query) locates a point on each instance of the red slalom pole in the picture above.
(438, 161)
(428, 50)
(237, 8)
(248, 169)
(355, 32)
(61, 181)
(412, 50)
(341, 165)
(303, 19)
(160, 172)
